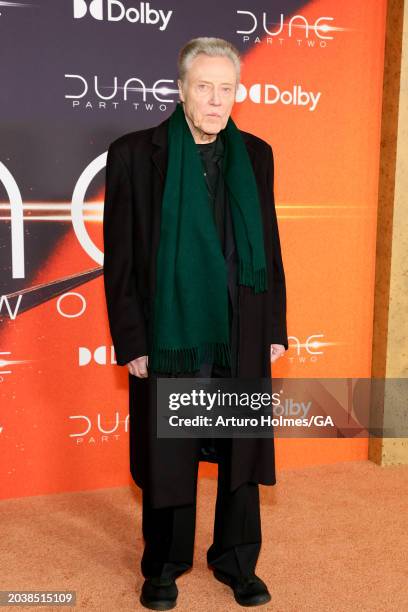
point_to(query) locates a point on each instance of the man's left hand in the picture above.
(277, 351)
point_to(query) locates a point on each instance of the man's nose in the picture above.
(215, 97)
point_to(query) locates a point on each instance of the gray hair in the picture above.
(209, 46)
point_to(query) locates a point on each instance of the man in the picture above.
(195, 286)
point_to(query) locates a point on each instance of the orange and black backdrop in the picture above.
(76, 75)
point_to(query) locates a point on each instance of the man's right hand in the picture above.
(138, 366)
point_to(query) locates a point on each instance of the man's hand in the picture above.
(138, 366)
(277, 351)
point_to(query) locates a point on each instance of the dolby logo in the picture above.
(114, 10)
(102, 355)
(269, 93)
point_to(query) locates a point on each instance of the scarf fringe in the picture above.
(173, 360)
(256, 279)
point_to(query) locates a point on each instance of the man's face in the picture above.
(208, 94)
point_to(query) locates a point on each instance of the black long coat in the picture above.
(135, 175)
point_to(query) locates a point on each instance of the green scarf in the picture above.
(191, 322)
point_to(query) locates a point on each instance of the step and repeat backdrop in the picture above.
(74, 76)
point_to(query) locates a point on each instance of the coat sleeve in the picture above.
(277, 305)
(124, 305)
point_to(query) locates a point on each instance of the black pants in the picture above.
(169, 532)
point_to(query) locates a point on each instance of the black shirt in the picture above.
(211, 156)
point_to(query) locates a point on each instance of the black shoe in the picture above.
(159, 594)
(251, 591)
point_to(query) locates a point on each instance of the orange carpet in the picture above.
(335, 538)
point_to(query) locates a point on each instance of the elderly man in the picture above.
(195, 286)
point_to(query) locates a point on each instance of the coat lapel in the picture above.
(160, 147)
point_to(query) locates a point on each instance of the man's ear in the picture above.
(180, 88)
